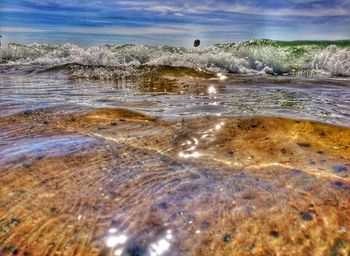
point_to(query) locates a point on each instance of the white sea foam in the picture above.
(243, 58)
(333, 61)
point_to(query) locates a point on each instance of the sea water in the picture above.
(235, 149)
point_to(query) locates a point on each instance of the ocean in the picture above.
(234, 149)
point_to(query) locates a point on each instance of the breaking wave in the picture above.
(300, 58)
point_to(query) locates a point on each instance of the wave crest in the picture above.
(255, 56)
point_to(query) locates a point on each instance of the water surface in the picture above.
(176, 162)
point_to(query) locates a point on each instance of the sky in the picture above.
(169, 22)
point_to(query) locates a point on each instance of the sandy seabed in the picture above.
(115, 181)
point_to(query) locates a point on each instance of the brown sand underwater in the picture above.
(202, 186)
(119, 178)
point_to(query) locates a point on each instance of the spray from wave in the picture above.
(300, 58)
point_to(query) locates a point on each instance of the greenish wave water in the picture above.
(277, 43)
(259, 56)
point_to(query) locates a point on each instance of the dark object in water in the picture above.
(196, 43)
(303, 144)
(306, 216)
(227, 238)
(274, 233)
(341, 185)
(136, 250)
(163, 205)
(339, 168)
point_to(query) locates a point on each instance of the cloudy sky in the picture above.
(178, 23)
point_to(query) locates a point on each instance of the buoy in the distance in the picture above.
(196, 43)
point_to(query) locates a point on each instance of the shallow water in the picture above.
(178, 163)
(185, 94)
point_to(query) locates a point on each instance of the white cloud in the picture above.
(20, 30)
(125, 31)
(179, 8)
(161, 7)
(312, 12)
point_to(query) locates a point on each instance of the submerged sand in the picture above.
(111, 181)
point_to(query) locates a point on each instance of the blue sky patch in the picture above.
(177, 23)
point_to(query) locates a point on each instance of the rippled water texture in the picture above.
(175, 162)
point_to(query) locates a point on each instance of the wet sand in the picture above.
(113, 181)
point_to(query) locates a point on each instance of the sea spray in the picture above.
(300, 58)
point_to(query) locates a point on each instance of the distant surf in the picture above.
(260, 56)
